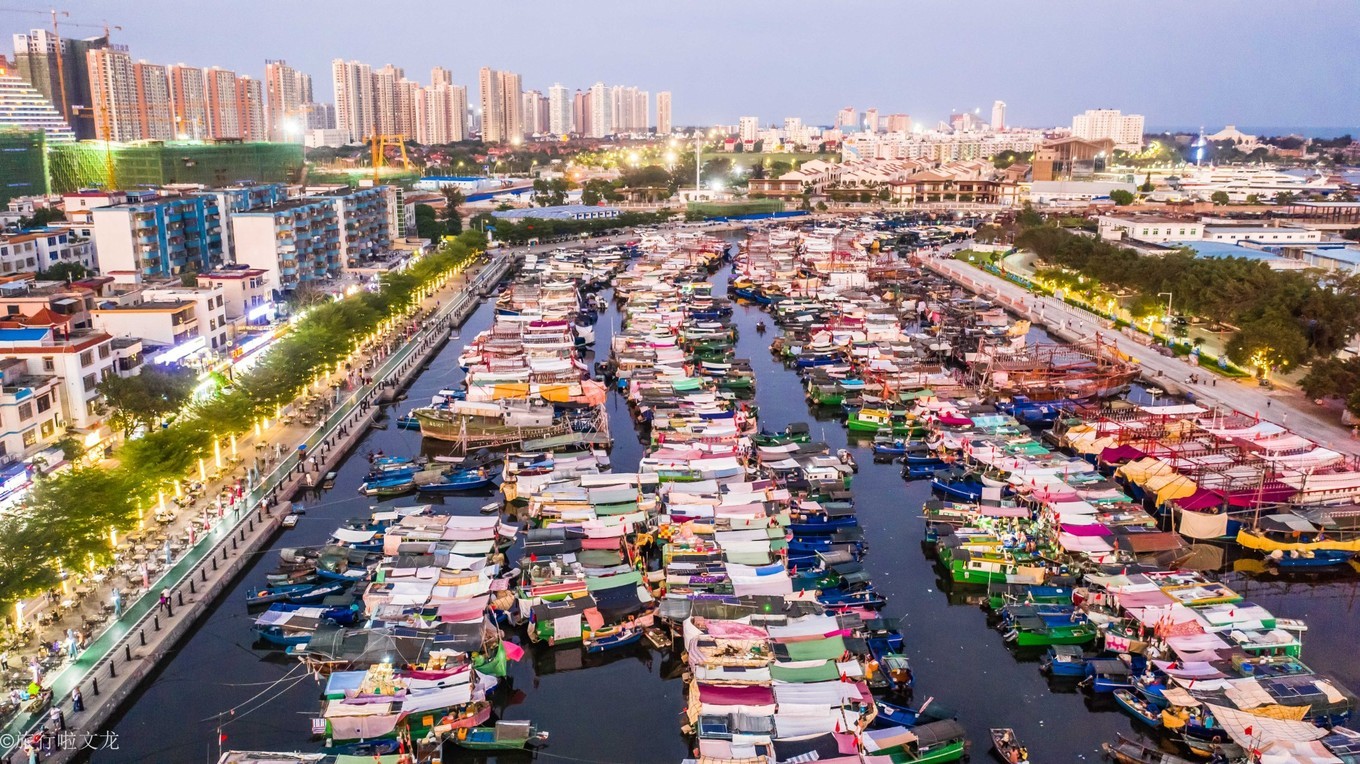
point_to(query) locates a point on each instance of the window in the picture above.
(25, 411)
(87, 358)
(30, 437)
(91, 382)
(105, 351)
(48, 428)
(44, 403)
(12, 310)
(49, 364)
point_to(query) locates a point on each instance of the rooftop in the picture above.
(561, 212)
(1219, 249)
(150, 306)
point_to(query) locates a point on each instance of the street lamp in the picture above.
(1167, 322)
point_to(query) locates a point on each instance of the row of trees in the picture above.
(520, 231)
(69, 520)
(1282, 318)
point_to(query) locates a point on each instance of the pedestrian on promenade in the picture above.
(57, 718)
(165, 602)
(146, 574)
(77, 701)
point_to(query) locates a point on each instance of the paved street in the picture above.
(1285, 408)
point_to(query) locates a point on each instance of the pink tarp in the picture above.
(1086, 530)
(1266, 494)
(727, 695)
(1118, 454)
(735, 630)
(1200, 499)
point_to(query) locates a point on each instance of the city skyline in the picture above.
(1176, 70)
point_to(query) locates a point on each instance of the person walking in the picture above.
(77, 701)
(57, 718)
(165, 602)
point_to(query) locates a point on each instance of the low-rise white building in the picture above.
(1149, 228)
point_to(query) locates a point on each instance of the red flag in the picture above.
(221, 738)
(1249, 731)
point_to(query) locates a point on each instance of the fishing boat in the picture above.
(928, 743)
(886, 444)
(1106, 675)
(1064, 661)
(619, 638)
(504, 736)
(1130, 751)
(390, 487)
(303, 594)
(1007, 747)
(1138, 708)
(459, 481)
(290, 521)
(408, 422)
(892, 714)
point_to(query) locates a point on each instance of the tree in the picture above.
(67, 272)
(1219, 197)
(1334, 378)
(1028, 217)
(453, 219)
(1147, 184)
(821, 206)
(189, 276)
(1270, 342)
(146, 399)
(1352, 234)
(1121, 197)
(1253, 198)
(41, 217)
(1284, 197)
(428, 225)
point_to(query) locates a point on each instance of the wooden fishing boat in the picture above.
(612, 641)
(1130, 751)
(459, 481)
(504, 736)
(1007, 747)
(1138, 708)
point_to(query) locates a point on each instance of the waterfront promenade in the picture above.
(110, 668)
(1070, 323)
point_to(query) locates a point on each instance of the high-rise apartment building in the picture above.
(748, 128)
(48, 63)
(560, 107)
(663, 112)
(219, 90)
(319, 116)
(440, 76)
(284, 98)
(871, 120)
(189, 101)
(408, 94)
(998, 116)
(441, 114)
(113, 91)
(250, 109)
(580, 112)
(353, 83)
(155, 116)
(899, 123)
(847, 118)
(601, 111)
(502, 106)
(387, 117)
(642, 111)
(1126, 130)
(493, 117)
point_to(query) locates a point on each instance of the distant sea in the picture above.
(1259, 130)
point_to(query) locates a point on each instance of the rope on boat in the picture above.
(272, 685)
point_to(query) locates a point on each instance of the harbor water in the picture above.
(218, 692)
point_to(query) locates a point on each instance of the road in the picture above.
(1246, 397)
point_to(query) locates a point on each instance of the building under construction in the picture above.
(153, 164)
(23, 171)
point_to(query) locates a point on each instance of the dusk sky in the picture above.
(1248, 62)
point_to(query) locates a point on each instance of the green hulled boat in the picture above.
(504, 736)
(928, 743)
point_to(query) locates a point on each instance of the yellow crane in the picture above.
(380, 143)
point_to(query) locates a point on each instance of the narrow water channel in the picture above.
(625, 706)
